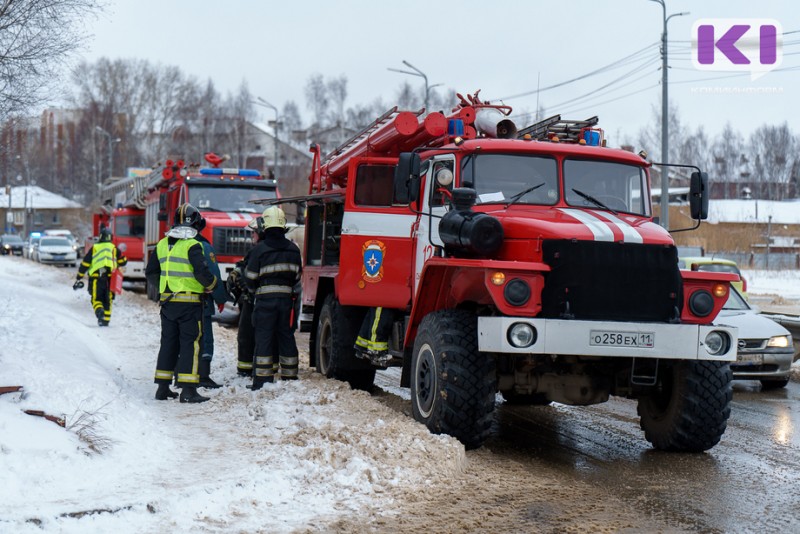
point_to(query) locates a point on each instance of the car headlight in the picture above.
(779, 342)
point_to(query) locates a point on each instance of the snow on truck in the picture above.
(521, 262)
(145, 205)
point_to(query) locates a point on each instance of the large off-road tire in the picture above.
(521, 399)
(452, 384)
(336, 335)
(688, 409)
(776, 383)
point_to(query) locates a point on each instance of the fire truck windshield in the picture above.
(129, 226)
(605, 185)
(501, 178)
(229, 198)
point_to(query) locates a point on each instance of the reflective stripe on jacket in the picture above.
(103, 255)
(176, 270)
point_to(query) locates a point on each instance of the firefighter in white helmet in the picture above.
(271, 274)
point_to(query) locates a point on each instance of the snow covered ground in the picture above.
(291, 457)
(295, 456)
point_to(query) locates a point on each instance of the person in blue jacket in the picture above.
(217, 300)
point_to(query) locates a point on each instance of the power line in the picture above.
(613, 65)
(598, 92)
(569, 111)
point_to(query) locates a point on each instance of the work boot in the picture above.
(205, 380)
(190, 394)
(163, 392)
(259, 381)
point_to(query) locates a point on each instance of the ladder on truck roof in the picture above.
(360, 136)
(566, 129)
(126, 192)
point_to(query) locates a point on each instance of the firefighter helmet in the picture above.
(187, 215)
(105, 235)
(273, 217)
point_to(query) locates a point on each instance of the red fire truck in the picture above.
(524, 262)
(222, 195)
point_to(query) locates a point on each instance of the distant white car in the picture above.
(57, 251)
(765, 351)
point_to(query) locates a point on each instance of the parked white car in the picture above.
(57, 251)
(765, 350)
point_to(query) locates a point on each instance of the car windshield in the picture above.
(11, 239)
(54, 242)
(230, 198)
(605, 185)
(735, 301)
(718, 268)
(502, 177)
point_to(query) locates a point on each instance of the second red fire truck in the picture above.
(143, 208)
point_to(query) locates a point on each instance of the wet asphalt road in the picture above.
(749, 482)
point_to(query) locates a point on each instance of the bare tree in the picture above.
(728, 151)
(772, 149)
(408, 98)
(317, 99)
(36, 38)
(292, 122)
(337, 95)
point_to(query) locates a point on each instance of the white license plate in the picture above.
(609, 338)
(750, 359)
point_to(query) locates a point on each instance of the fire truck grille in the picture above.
(611, 281)
(231, 241)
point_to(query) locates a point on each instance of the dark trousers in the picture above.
(207, 343)
(181, 329)
(100, 290)
(246, 338)
(272, 322)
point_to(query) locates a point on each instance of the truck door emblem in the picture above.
(373, 253)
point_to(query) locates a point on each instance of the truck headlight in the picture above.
(521, 335)
(779, 342)
(717, 343)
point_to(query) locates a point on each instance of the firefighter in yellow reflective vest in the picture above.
(101, 260)
(183, 277)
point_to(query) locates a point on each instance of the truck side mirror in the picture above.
(406, 178)
(698, 195)
(162, 207)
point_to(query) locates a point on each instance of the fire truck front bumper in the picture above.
(524, 335)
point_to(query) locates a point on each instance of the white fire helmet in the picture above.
(274, 217)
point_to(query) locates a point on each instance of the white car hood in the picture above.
(750, 324)
(56, 250)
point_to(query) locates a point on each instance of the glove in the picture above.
(77, 285)
(220, 307)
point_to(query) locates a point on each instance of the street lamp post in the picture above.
(110, 149)
(262, 102)
(665, 114)
(419, 73)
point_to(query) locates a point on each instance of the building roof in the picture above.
(35, 197)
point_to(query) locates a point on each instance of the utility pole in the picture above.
(262, 102)
(665, 114)
(421, 74)
(110, 149)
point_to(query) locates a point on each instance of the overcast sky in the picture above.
(505, 48)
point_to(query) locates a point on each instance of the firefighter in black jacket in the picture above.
(183, 277)
(237, 289)
(272, 272)
(99, 262)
